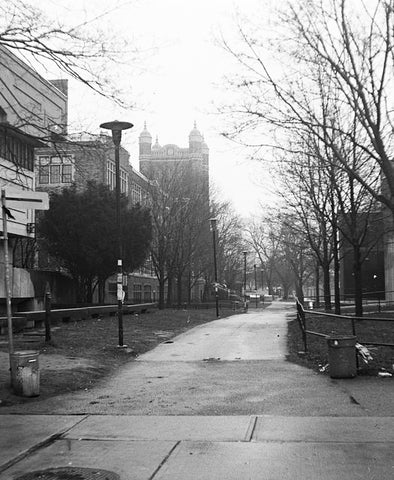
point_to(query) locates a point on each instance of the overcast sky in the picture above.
(176, 82)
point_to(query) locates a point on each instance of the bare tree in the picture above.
(231, 244)
(180, 213)
(338, 58)
(353, 53)
(82, 51)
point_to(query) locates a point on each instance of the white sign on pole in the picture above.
(26, 199)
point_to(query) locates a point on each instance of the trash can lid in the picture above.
(23, 353)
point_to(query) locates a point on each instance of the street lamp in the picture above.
(213, 222)
(245, 253)
(116, 128)
(255, 281)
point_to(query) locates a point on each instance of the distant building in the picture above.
(187, 171)
(155, 159)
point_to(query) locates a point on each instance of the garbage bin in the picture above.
(342, 356)
(25, 373)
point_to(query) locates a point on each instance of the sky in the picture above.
(177, 80)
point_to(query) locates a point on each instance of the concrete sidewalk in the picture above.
(199, 447)
(253, 419)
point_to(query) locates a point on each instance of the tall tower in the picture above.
(196, 140)
(156, 159)
(145, 142)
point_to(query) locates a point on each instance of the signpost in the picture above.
(18, 199)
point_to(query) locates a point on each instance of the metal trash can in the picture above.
(25, 373)
(342, 356)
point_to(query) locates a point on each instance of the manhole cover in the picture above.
(70, 473)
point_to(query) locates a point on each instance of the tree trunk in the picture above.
(179, 289)
(299, 291)
(337, 292)
(169, 291)
(317, 285)
(326, 287)
(101, 290)
(161, 293)
(358, 290)
(89, 290)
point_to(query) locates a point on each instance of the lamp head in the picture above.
(116, 128)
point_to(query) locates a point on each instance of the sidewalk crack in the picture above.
(251, 429)
(164, 461)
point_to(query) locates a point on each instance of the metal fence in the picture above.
(381, 300)
(302, 317)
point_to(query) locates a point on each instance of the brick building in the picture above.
(32, 109)
(77, 160)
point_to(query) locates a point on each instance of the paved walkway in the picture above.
(293, 423)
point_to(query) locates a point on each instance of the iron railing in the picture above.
(302, 315)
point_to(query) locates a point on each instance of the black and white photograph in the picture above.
(197, 240)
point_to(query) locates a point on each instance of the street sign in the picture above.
(26, 199)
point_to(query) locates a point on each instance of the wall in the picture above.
(30, 102)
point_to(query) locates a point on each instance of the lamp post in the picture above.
(213, 222)
(116, 128)
(245, 253)
(255, 281)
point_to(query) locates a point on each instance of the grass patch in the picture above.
(96, 340)
(366, 331)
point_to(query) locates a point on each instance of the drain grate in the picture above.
(70, 473)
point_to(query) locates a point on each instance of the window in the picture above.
(137, 293)
(16, 151)
(147, 293)
(111, 177)
(67, 174)
(55, 169)
(136, 193)
(43, 174)
(123, 182)
(55, 173)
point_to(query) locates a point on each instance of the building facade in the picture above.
(75, 161)
(156, 159)
(32, 110)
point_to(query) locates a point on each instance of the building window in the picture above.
(147, 293)
(55, 169)
(123, 182)
(136, 193)
(67, 174)
(111, 177)
(137, 293)
(16, 151)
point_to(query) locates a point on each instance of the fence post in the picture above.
(302, 322)
(304, 329)
(47, 302)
